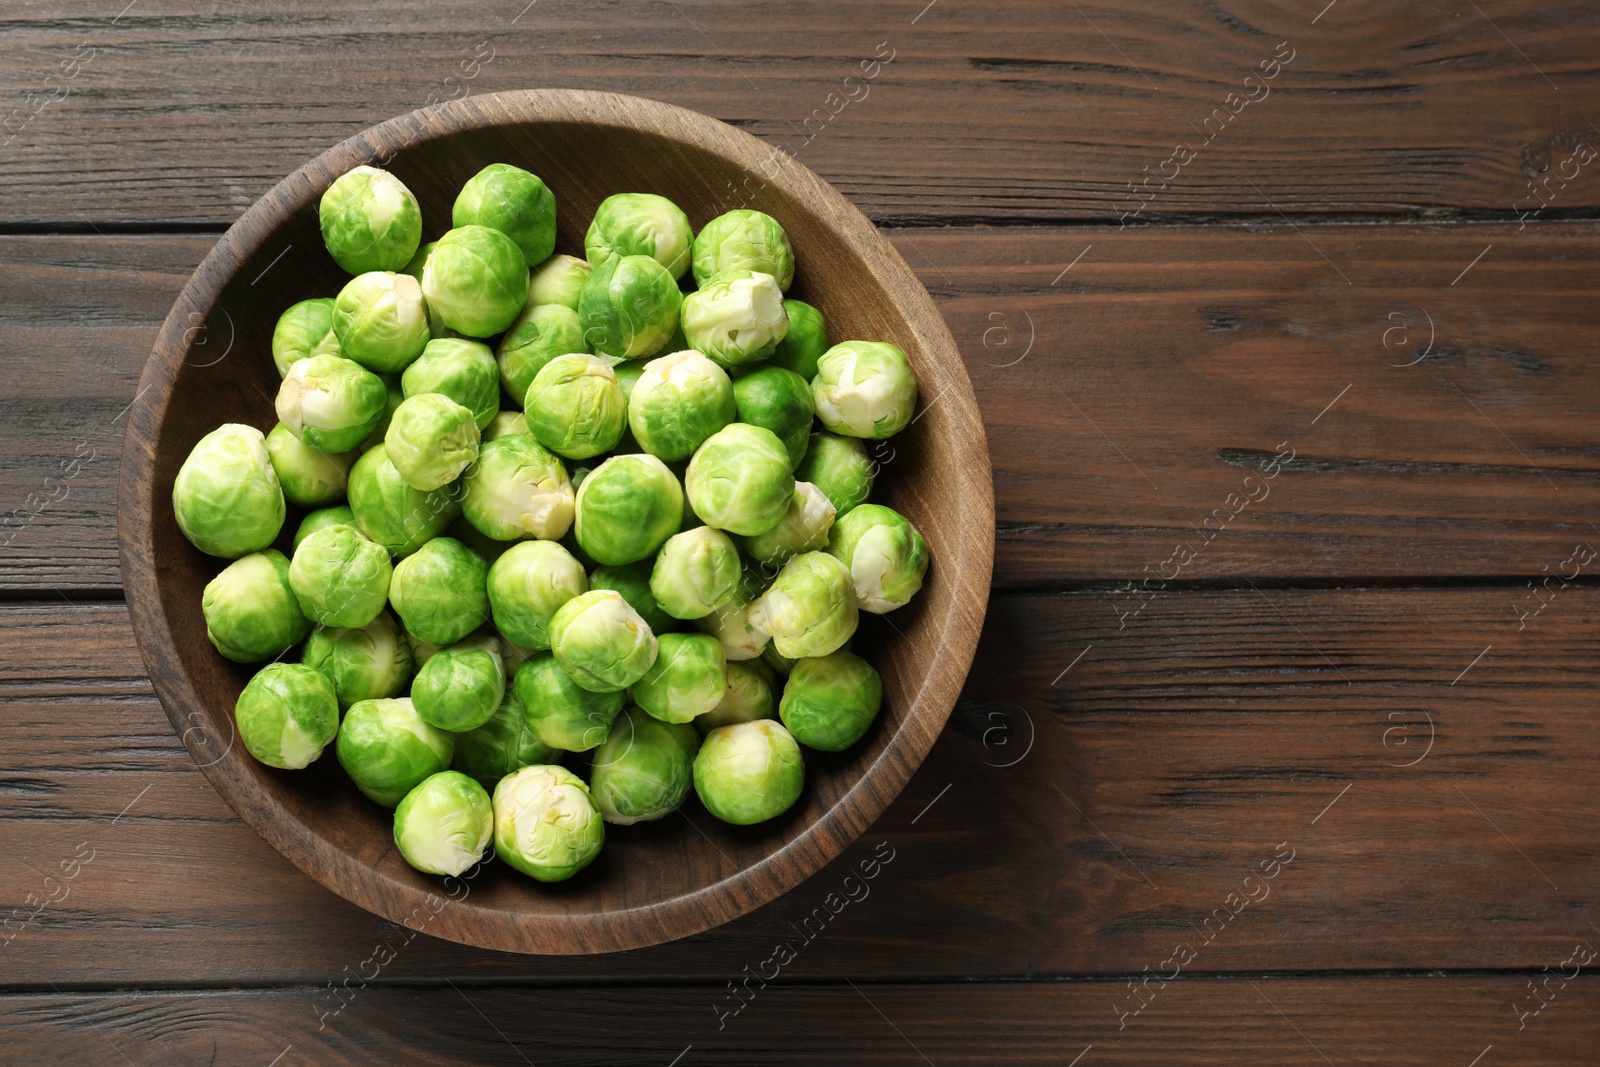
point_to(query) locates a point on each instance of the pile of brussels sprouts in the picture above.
(651, 553)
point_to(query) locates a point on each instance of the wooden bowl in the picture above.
(653, 882)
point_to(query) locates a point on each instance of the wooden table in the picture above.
(1281, 745)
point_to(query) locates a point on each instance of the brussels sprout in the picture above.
(749, 772)
(560, 712)
(331, 403)
(503, 744)
(778, 400)
(688, 678)
(601, 641)
(540, 334)
(381, 320)
(740, 480)
(829, 701)
(804, 528)
(322, 518)
(810, 609)
(287, 714)
(627, 508)
(641, 773)
(439, 591)
(805, 342)
(514, 656)
(370, 221)
(477, 280)
(864, 389)
(696, 573)
(639, 224)
(304, 330)
(388, 750)
(629, 307)
(251, 611)
(736, 317)
(526, 586)
(462, 370)
(841, 468)
(743, 240)
(396, 396)
(307, 477)
(340, 577)
(414, 266)
(884, 553)
(632, 580)
(504, 424)
(779, 663)
(574, 406)
(421, 651)
(513, 201)
(392, 513)
(748, 697)
(431, 440)
(677, 402)
(558, 280)
(226, 497)
(369, 663)
(473, 538)
(730, 624)
(517, 490)
(628, 374)
(444, 824)
(461, 685)
(545, 824)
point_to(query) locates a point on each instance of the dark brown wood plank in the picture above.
(1014, 110)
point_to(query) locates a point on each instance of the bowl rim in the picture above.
(929, 704)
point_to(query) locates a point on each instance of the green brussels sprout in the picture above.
(304, 330)
(632, 580)
(730, 624)
(251, 611)
(864, 389)
(226, 497)
(541, 333)
(462, 370)
(439, 591)
(331, 403)
(513, 201)
(514, 656)
(601, 641)
(396, 396)
(558, 280)
(323, 517)
(743, 240)
(431, 440)
(641, 773)
(829, 701)
(560, 712)
(503, 744)
(443, 825)
(388, 750)
(545, 824)
(749, 772)
(477, 280)
(629, 307)
(390, 511)
(884, 553)
(778, 400)
(381, 320)
(526, 586)
(287, 714)
(340, 577)
(740, 480)
(639, 224)
(518, 489)
(627, 508)
(803, 528)
(372, 662)
(696, 573)
(748, 697)
(307, 477)
(736, 317)
(436, 326)
(688, 678)
(805, 342)
(473, 538)
(461, 685)
(574, 406)
(779, 663)
(841, 468)
(810, 610)
(628, 374)
(504, 424)
(677, 402)
(421, 651)
(370, 221)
